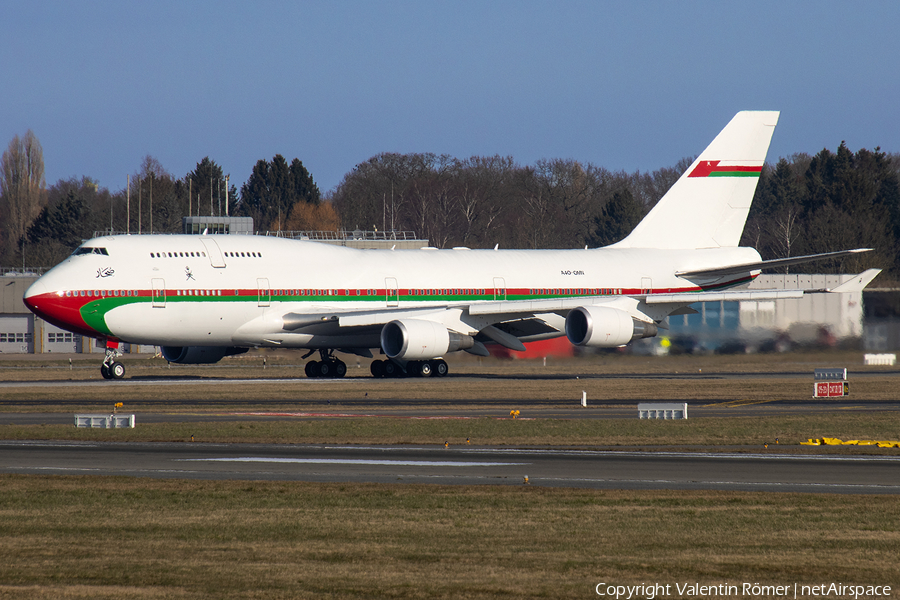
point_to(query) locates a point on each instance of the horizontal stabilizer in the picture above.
(858, 283)
(766, 264)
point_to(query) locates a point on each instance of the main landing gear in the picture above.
(415, 368)
(111, 368)
(330, 367)
(327, 368)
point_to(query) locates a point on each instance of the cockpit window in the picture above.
(89, 250)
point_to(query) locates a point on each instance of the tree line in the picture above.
(804, 204)
(40, 226)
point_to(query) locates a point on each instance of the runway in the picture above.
(460, 466)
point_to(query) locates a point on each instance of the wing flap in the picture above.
(529, 307)
(738, 295)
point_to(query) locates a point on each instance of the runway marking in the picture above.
(739, 403)
(374, 416)
(354, 461)
(347, 415)
(713, 455)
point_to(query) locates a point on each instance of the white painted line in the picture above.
(352, 461)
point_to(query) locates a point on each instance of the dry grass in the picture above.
(742, 432)
(78, 537)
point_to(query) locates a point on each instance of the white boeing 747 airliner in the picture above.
(201, 298)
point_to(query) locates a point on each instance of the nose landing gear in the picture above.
(111, 368)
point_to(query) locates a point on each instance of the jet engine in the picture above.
(605, 327)
(413, 339)
(198, 355)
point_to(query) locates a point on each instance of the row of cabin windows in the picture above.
(203, 254)
(198, 292)
(576, 292)
(177, 254)
(310, 292)
(100, 293)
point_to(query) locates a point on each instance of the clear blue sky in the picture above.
(623, 85)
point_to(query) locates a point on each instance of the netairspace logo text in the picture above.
(651, 591)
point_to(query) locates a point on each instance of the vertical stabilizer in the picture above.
(707, 207)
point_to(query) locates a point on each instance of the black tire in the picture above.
(325, 369)
(377, 368)
(425, 369)
(104, 370)
(440, 368)
(340, 369)
(117, 371)
(391, 369)
(312, 369)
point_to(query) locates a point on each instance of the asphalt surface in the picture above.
(460, 465)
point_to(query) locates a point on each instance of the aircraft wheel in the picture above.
(424, 368)
(117, 371)
(377, 368)
(340, 368)
(390, 369)
(312, 369)
(325, 369)
(440, 368)
(104, 370)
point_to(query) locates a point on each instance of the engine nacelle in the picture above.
(605, 327)
(198, 355)
(412, 339)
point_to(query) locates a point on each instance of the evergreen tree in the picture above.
(303, 186)
(273, 189)
(617, 219)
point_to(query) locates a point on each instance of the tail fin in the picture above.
(707, 207)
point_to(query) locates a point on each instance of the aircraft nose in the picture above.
(51, 304)
(33, 293)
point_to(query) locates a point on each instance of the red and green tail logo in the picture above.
(711, 168)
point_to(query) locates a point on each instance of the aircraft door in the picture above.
(264, 294)
(499, 288)
(216, 259)
(158, 293)
(391, 291)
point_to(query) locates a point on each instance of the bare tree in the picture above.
(22, 186)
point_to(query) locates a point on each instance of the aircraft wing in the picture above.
(766, 264)
(504, 310)
(857, 284)
(507, 310)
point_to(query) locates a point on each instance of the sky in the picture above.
(623, 85)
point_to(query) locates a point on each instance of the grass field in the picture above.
(78, 537)
(86, 537)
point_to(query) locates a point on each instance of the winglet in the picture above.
(858, 283)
